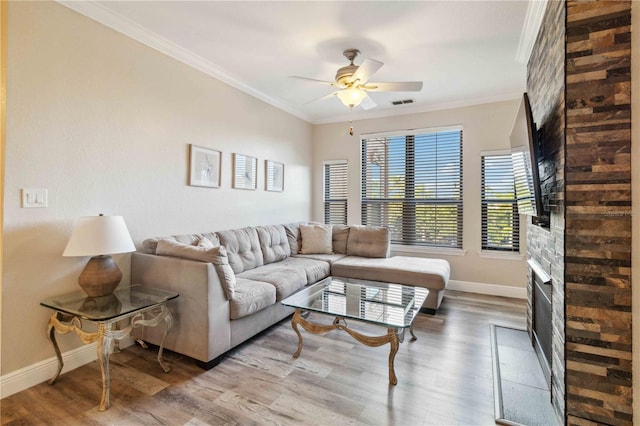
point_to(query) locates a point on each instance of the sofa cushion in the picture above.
(368, 241)
(243, 248)
(330, 258)
(285, 280)
(416, 271)
(340, 234)
(251, 296)
(216, 255)
(149, 245)
(313, 268)
(293, 235)
(274, 243)
(316, 238)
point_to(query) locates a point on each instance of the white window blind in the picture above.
(412, 184)
(523, 176)
(335, 192)
(500, 220)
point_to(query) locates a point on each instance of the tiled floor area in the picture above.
(525, 392)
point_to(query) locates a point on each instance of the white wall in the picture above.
(104, 123)
(486, 128)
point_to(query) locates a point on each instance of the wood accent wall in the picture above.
(546, 89)
(598, 213)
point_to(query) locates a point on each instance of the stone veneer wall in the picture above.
(598, 212)
(546, 86)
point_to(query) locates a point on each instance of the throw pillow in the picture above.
(225, 272)
(340, 236)
(205, 242)
(368, 241)
(293, 235)
(316, 239)
(215, 255)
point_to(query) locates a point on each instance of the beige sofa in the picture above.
(231, 286)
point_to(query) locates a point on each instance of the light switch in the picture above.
(34, 197)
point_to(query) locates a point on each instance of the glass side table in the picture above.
(143, 306)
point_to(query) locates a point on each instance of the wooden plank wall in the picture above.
(546, 89)
(598, 213)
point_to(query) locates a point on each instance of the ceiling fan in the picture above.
(353, 82)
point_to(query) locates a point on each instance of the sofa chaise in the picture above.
(231, 282)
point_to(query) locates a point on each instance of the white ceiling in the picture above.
(465, 52)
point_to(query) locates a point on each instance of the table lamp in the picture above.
(99, 236)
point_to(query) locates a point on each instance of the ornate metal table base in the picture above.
(392, 337)
(105, 336)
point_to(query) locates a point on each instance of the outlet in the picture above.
(34, 198)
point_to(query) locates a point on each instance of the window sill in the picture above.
(428, 250)
(488, 254)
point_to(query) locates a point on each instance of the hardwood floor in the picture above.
(444, 378)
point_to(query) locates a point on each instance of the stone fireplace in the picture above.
(541, 324)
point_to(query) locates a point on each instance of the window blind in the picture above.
(335, 192)
(412, 184)
(523, 176)
(500, 220)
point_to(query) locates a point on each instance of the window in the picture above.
(500, 220)
(412, 184)
(335, 192)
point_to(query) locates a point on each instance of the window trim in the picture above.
(410, 132)
(344, 163)
(412, 135)
(497, 252)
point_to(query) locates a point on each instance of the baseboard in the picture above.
(42, 371)
(490, 289)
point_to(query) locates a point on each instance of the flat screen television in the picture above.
(525, 156)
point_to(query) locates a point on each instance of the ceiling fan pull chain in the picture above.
(351, 121)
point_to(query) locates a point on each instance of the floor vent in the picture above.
(402, 102)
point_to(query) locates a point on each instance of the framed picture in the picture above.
(274, 176)
(204, 166)
(245, 171)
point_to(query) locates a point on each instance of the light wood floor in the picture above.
(444, 378)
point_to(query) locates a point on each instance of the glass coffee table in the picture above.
(142, 306)
(392, 306)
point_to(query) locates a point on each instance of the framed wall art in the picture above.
(245, 171)
(204, 166)
(274, 176)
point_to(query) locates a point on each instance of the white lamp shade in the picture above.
(352, 97)
(99, 235)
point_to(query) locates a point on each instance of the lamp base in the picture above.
(100, 277)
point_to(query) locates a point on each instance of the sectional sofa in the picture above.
(231, 282)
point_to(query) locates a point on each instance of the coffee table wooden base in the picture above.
(339, 323)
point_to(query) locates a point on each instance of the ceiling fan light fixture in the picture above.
(352, 97)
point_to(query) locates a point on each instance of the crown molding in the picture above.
(532, 22)
(418, 109)
(117, 22)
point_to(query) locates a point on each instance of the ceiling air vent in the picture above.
(402, 102)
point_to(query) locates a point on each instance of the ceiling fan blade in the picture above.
(315, 80)
(312, 79)
(367, 103)
(322, 98)
(366, 70)
(405, 86)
